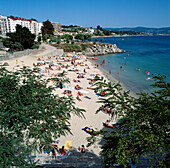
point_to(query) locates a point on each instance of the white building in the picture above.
(11, 23)
(8, 24)
(36, 27)
(90, 31)
(2, 25)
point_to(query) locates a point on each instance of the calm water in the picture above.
(148, 53)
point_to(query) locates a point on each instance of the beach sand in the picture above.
(91, 119)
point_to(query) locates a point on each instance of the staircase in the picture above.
(74, 160)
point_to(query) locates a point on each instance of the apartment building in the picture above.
(3, 25)
(8, 24)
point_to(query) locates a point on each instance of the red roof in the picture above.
(17, 18)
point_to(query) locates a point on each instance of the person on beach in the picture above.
(107, 124)
(63, 151)
(82, 149)
(110, 72)
(117, 73)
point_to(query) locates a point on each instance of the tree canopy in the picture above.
(22, 36)
(143, 126)
(47, 28)
(32, 116)
(83, 37)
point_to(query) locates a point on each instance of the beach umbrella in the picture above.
(74, 56)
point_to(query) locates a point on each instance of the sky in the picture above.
(90, 13)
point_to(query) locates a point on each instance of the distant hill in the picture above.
(164, 30)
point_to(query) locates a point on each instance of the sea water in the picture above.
(150, 54)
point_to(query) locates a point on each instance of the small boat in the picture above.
(94, 58)
(90, 57)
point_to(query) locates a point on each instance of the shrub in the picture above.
(35, 46)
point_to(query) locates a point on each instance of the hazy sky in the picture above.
(106, 13)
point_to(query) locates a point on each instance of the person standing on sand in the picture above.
(82, 149)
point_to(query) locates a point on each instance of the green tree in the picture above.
(47, 28)
(7, 43)
(39, 38)
(17, 46)
(106, 32)
(143, 126)
(31, 115)
(67, 37)
(23, 36)
(33, 19)
(87, 37)
(99, 28)
(95, 40)
(79, 37)
(53, 38)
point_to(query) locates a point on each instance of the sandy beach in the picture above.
(88, 103)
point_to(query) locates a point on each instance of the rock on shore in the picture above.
(102, 49)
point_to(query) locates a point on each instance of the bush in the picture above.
(35, 46)
(17, 46)
(53, 39)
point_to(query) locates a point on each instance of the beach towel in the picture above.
(88, 130)
(87, 97)
(84, 92)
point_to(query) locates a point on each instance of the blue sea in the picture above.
(147, 53)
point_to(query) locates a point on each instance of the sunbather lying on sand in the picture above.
(77, 87)
(107, 124)
(68, 92)
(108, 111)
(78, 98)
(80, 76)
(76, 80)
(79, 94)
(92, 81)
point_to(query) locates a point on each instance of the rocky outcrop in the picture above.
(102, 49)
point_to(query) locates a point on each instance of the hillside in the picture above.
(89, 48)
(164, 30)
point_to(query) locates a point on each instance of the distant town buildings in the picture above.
(89, 31)
(57, 27)
(8, 24)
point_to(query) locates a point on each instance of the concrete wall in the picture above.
(8, 56)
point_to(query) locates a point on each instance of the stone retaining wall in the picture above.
(8, 56)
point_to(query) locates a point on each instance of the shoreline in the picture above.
(93, 120)
(112, 79)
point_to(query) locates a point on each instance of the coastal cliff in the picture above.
(102, 49)
(90, 48)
